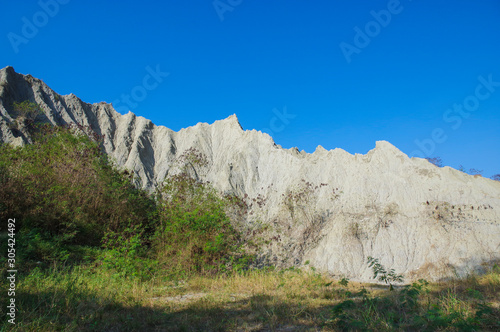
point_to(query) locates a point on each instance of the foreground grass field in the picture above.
(89, 299)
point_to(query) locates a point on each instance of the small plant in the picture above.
(495, 177)
(475, 171)
(410, 294)
(471, 171)
(344, 282)
(27, 109)
(381, 274)
(436, 161)
(26, 113)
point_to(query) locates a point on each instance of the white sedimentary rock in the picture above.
(419, 219)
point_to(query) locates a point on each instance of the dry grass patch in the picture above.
(250, 301)
(90, 299)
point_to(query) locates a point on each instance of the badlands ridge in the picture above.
(419, 219)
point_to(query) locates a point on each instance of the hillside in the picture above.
(330, 209)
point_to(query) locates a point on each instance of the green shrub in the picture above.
(126, 254)
(64, 192)
(26, 114)
(194, 234)
(67, 196)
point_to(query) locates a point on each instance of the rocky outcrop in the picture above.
(329, 208)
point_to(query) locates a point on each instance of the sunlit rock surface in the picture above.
(421, 220)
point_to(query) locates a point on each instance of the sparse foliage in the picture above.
(191, 163)
(27, 110)
(344, 282)
(436, 161)
(301, 200)
(471, 171)
(381, 274)
(475, 171)
(26, 114)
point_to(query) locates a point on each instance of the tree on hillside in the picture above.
(475, 171)
(435, 161)
(471, 171)
(26, 114)
(495, 177)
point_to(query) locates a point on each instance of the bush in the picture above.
(436, 161)
(69, 200)
(194, 234)
(126, 255)
(26, 115)
(64, 192)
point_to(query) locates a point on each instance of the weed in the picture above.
(344, 282)
(381, 274)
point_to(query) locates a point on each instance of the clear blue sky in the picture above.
(351, 72)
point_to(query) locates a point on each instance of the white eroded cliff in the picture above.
(419, 219)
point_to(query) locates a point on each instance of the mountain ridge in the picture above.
(380, 204)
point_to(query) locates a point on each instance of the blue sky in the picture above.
(423, 75)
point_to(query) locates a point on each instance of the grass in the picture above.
(88, 298)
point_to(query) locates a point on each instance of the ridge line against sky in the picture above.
(423, 75)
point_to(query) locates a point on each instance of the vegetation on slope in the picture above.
(95, 253)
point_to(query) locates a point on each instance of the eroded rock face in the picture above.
(330, 208)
